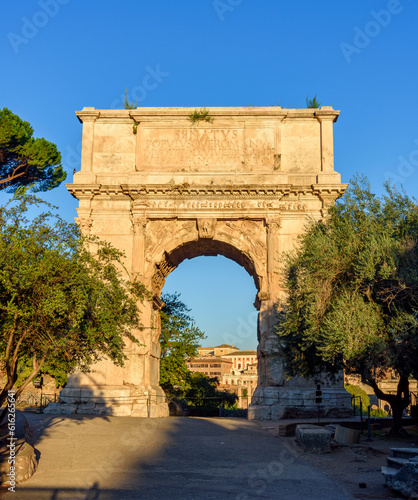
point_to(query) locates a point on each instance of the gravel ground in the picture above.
(358, 467)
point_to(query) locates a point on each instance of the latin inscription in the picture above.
(211, 147)
(226, 205)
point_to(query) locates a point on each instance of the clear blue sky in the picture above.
(359, 57)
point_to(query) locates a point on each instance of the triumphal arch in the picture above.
(163, 186)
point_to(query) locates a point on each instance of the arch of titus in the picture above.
(164, 189)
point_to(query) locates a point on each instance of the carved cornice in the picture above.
(138, 191)
(329, 189)
(251, 112)
(186, 190)
(78, 190)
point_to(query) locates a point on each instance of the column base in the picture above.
(277, 403)
(123, 401)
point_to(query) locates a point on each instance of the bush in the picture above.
(379, 413)
(357, 391)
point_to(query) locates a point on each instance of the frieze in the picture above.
(291, 206)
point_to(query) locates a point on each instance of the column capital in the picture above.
(85, 224)
(139, 224)
(273, 224)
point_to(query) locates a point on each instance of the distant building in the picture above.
(218, 350)
(235, 369)
(211, 366)
(241, 359)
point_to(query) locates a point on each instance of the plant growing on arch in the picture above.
(352, 288)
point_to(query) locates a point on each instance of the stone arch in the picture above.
(169, 256)
(162, 189)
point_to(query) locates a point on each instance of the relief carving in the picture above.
(85, 224)
(206, 228)
(139, 224)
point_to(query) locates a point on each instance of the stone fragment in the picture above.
(345, 435)
(404, 481)
(313, 438)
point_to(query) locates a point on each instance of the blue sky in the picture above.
(359, 57)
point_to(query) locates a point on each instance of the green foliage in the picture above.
(312, 103)
(61, 306)
(24, 160)
(353, 292)
(179, 340)
(379, 413)
(203, 392)
(127, 104)
(200, 115)
(357, 391)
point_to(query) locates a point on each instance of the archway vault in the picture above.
(235, 240)
(163, 188)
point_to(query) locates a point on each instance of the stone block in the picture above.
(60, 409)
(124, 410)
(259, 412)
(139, 410)
(159, 411)
(277, 412)
(313, 439)
(70, 394)
(345, 435)
(404, 481)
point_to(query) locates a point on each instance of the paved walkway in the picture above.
(103, 458)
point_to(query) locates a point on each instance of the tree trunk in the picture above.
(4, 394)
(398, 402)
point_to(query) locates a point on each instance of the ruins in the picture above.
(164, 188)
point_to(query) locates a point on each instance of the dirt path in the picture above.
(358, 467)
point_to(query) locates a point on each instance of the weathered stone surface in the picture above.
(345, 435)
(25, 463)
(313, 438)
(404, 481)
(60, 409)
(259, 412)
(163, 189)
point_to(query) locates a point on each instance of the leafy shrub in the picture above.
(357, 391)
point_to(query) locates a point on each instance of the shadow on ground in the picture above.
(86, 457)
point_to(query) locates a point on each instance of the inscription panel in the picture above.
(222, 204)
(215, 149)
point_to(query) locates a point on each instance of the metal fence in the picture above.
(36, 400)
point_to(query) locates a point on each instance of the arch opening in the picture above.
(198, 248)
